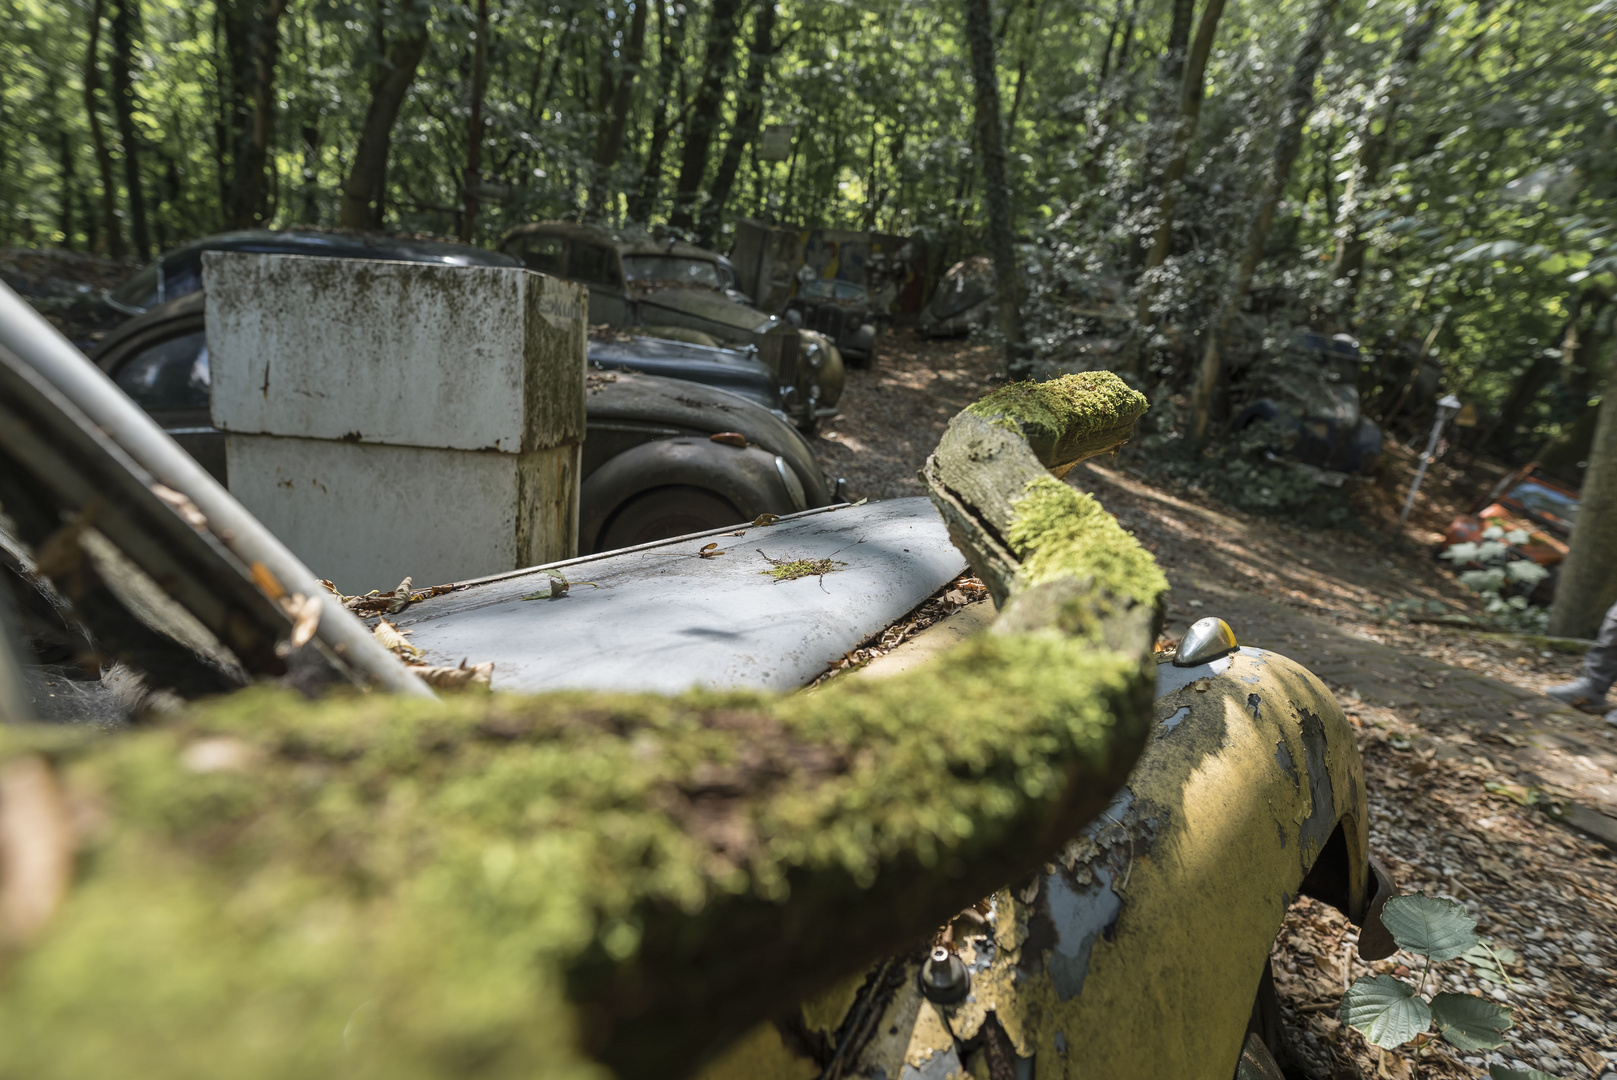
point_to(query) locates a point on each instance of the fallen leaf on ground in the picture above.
(392, 638)
(455, 678)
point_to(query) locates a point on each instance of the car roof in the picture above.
(627, 241)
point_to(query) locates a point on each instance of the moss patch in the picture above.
(1060, 532)
(792, 569)
(1067, 418)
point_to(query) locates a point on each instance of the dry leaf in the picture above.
(710, 551)
(455, 678)
(392, 637)
(267, 582)
(182, 506)
(304, 611)
(36, 848)
(1201, 686)
(401, 597)
(765, 519)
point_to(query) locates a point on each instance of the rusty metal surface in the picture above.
(685, 621)
(1137, 952)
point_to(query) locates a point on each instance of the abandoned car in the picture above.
(670, 286)
(651, 466)
(1528, 501)
(1310, 400)
(1079, 875)
(840, 310)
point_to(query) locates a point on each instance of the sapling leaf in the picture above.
(1490, 960)
(1386, 1010)
(1471, 1022)
(1499, 1072)
(1437, 928)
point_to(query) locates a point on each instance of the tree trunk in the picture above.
(98, 137)
(1173, 55)
(64, 160)
(1299, 103)
(252, 35)
(124, 20)
(609, 147)
(670, 45)
(996, 188)
(1374, 140)
(1533, 380)
(749, 113)
(704, 121)
(1588, 581)
(362, 191)
(1173, 172)
(311, 173)
(474, 124)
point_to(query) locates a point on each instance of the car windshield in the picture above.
(1545, 501)
(832, 289)
(686, 271)
(172, 374)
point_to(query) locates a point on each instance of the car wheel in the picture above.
(1265, 1033)
(663, 512)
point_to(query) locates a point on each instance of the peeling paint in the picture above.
(1176, 719)
(1252, 702)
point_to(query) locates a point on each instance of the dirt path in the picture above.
(1462, 752)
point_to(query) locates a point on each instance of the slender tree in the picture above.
(671, 44)
(98, 135)
(1168, 183)
(624, 75)
(391, 75)
(125, 21)
(1587, 585)
(705, 110)
(474, 124)
(1374, 140)
(996, 187)
(1288, 142)
(749, 113)
(252, 36)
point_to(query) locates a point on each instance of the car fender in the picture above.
(1137, 951)
(754, 480)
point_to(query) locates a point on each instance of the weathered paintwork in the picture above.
(1138, 951)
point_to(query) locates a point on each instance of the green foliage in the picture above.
(1470, 1022)
(1386, 1010)
(1502, 578)
(1489, 960)
(1437, 928)
(1391, 1012)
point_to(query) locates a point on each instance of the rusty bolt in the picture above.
(944, 979)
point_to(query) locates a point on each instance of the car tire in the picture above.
(1265, 1033)
(663, 512)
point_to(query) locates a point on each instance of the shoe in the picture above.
(1583, 693)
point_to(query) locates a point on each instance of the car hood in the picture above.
(706, 304)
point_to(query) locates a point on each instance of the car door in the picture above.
(596, 265)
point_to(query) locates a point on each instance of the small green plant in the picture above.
(1498, 574)
(1390, 1012)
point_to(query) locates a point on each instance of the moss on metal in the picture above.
(494, 886)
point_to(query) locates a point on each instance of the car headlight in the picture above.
(814, 355)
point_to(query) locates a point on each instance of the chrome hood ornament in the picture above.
(1207, 639)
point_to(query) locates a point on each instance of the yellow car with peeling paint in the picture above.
(1141, 950)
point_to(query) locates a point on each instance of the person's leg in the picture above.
(1588, 690)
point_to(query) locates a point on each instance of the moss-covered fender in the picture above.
(1137, 952)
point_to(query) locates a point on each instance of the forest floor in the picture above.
(1464, 757)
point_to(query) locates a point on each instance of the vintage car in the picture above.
(662, 456)
(840, 310)
(671, 286)
(1312, 404)
(963, 300)
(1034, 853)
(1528, 501)
(178, 272)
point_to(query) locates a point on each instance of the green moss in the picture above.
(1067, 418)
(492, 886)
(451, 881)
(1060, 532)
(792, 569)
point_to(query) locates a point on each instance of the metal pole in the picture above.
(1446, 408)
(26, 333)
